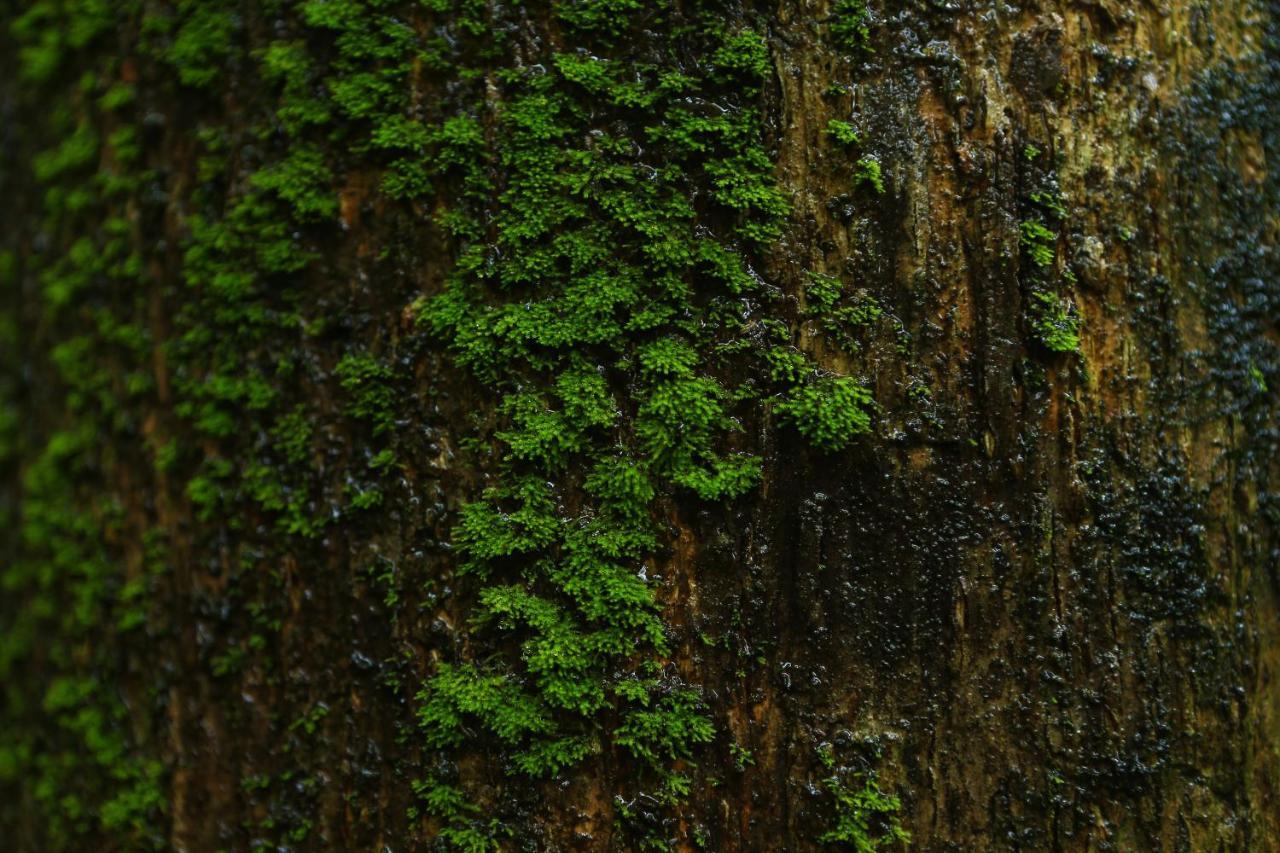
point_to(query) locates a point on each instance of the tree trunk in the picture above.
(599, 425)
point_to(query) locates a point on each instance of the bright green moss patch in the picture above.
(866, 817)
(830, 411)
(1057, 327)
(1051, 202)
(822, 291)
(1039, 242)
(605, 313)
(867, 171)
(843, 132)
(1054, 323)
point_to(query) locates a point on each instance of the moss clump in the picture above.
(368, 382)
(1039, 242)
(829, 411)
(200, 36)
(1057, 327)
(850, 26)
(843, 132)
(867, 171)
(599, 259)
(866, 817)
(822, 291)
(1054, 325)
(605, 229)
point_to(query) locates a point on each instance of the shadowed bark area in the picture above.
(1037, 602)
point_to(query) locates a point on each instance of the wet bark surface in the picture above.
(1040, 601)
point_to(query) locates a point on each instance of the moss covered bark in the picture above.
(596, 424)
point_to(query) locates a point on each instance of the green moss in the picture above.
(288, 65)
(821, 292)
(84, 727)
(304, 181)
(843, 132)
(850, 26)
(667, 730)
(1051, 202)
(830, 411)
(292, 435)
(1257, 378)
(788, 365)
(48, 33)
(1056, 326)
(457, 692)
(742, 55)
(309, 722)
(866, 817)
(600, 261)
(202, 34)
(1039, 242)
(71, 729)
(606, 227)
(465, 827)
(368, 382)
(587, 178)
(77, 151)
(867, 171)
(292, 506)
(610, 17)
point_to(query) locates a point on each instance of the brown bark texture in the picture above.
(1038, 601)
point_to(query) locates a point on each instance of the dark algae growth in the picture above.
(618, 425)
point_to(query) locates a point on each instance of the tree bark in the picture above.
(1038, 601)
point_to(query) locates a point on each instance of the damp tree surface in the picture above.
(626, 425)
